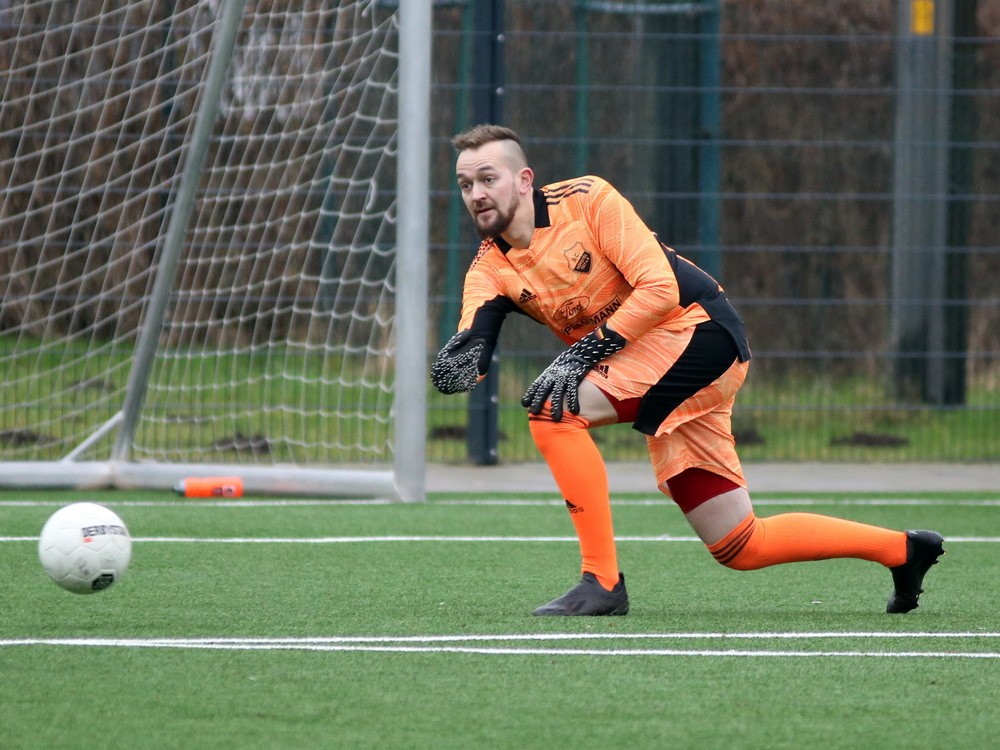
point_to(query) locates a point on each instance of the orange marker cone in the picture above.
(210, 487)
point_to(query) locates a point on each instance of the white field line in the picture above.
(439, 539)
(439, 644)
(188, 504)
(185, 504)
(429, 538)
(901, 502)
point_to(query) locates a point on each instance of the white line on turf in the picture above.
(444, 539)
(391, 539)
(900, 502)
(188, 504)
(504, 637)
(402, 644)
(184, 504)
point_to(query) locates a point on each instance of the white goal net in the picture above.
(262, 340)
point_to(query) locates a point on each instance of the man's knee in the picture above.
(544, 429)
(737, 550)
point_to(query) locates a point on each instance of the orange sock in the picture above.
(578, 468)
(796, 537)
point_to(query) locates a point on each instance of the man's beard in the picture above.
(500, 223)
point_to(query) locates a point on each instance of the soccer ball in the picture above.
(85, 547)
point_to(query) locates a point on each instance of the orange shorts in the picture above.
(696, 432)
(699, 433)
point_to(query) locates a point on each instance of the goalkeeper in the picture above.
(651, 340)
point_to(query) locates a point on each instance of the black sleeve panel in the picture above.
(486, 324)
(697, 286)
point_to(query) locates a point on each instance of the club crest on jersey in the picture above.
(578, 258)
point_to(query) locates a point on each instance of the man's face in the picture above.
(490, 188)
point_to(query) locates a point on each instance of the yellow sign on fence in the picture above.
(922, 17)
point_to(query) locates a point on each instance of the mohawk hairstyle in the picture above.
(480, 135)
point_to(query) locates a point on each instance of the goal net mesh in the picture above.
(277, 342)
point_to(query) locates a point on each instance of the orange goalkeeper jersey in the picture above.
(591, 260)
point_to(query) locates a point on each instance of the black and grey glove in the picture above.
(560, 381)
(456, 367)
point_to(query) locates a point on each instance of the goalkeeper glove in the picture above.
(560, 381)
(456, 367)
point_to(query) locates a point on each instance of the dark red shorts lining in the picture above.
(692, 487)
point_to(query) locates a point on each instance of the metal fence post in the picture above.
(920, 202)
(487, 106)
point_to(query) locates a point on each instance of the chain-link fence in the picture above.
(835, 165)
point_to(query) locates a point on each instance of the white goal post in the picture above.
(213, 243)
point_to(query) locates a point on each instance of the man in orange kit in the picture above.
(652, 340)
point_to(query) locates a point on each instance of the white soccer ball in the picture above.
(85, 547)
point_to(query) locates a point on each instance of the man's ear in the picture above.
(525, 178)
